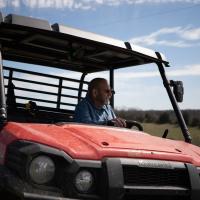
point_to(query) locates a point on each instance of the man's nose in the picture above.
(110, 93)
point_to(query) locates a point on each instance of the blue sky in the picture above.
(169, 26)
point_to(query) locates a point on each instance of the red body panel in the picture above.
(96, 142)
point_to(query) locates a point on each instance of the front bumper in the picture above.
(116, 178)
(117, 187)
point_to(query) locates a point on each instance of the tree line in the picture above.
(191, 117)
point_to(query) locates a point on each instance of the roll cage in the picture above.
(35, 41)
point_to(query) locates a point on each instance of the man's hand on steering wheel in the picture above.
(118, 122)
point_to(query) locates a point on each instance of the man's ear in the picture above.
(94, 92)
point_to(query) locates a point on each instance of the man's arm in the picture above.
(115, 121)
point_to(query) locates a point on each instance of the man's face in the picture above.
(104, 93)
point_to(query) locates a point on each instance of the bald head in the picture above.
(99, 91)
(96, 83)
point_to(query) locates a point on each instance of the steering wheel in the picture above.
(130, 124)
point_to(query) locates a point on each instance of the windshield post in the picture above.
(174, 103)
(3, 112)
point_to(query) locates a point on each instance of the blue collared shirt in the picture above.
(87, 112)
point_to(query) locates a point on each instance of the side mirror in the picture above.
(178, 90)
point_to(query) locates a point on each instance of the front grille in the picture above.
(138, 176)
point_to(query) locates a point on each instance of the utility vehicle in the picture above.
(45, 155)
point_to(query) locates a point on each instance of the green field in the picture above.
(174, 131)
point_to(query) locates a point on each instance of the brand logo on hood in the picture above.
(155, 164)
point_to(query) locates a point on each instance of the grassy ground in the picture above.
(174, 131)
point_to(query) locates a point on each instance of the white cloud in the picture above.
(192, 70)
(83, 4)
(162, 1)
(2, 3)
(192, 34)
(15, 3)
(174, 36)
(189, 70)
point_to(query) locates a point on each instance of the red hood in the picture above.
(95, 142)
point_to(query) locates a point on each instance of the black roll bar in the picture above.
(81, 86)
(112, 87)
(174, 103)
(59, 92)
(3, 112)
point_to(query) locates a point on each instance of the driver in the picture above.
(95, 108)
